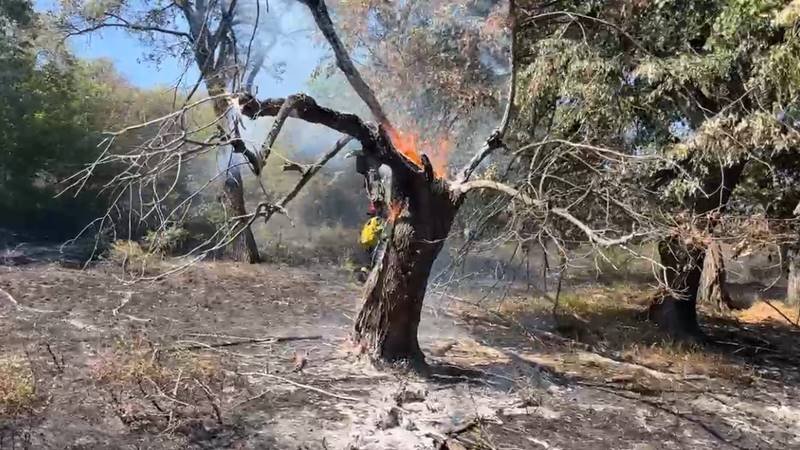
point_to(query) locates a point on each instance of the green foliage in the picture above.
(48, 120)
(54, 109)
(709, 82)
(167, 240)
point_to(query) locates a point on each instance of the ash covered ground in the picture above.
(237, 356)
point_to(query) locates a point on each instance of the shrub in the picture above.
(129, 254)
(166, 241)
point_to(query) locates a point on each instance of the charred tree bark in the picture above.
(793, 276)
(387, 324)
(676, 311)
(713, 290)
(244, 247)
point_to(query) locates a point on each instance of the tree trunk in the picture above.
(243, 248)
(793, 285)
(387, 324)
(675, 312)
(713, 290)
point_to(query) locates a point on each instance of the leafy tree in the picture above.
(50, 116)
(703, 89)
(215, 36)
(54, 110)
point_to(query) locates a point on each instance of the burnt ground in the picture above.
(236, 356)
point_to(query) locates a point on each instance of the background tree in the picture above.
(696, 90)
(216, 36)
(53, 108)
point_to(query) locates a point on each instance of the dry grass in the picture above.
(762, 312)
(687, 359)
(150, 388)
(324, 244)
(136, 361)
(17, 386)
(133, 257)
(611, 318)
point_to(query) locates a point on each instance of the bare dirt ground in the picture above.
(236, 356)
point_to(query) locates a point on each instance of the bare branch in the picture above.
(303, 386)
(323, 19)
(515, 194)
(307, 109)
(286, 109)
(495, 140)
(122, 23)
(308, 173)
(512, 84)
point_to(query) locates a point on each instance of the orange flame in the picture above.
(394, 210)
(409, 143)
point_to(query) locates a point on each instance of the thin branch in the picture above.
(512, 84)
(495, 140)
(130, 26)
(203, 346)
(19, 307)
(308, 173)
(304, 386)
(575, 16)
(785, 317)
(515, 194)
(286, 109)
(323, 19)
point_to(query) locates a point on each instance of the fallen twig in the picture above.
(304, 386)
(24, 308)
(128, 296)
(211, 399)
(10, 298)
(59, 365)
(201, 346)
(136, 319)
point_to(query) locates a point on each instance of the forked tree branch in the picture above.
(307, 174)
(283, 113)
(516, 194)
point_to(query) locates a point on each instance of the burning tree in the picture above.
(617, 137)
(425, 201)
(425, 198)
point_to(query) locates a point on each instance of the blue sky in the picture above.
(301, 55)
